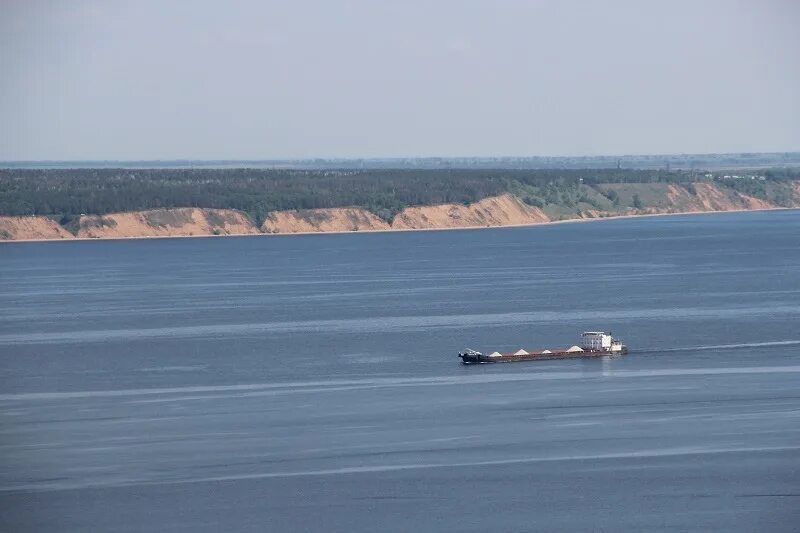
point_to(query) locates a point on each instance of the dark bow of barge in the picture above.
(594, 344)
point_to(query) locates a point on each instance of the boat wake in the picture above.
(725, 346)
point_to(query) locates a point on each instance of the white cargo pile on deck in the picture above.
(547, 351)
(575, 349)
(521, 352)
(495, 354)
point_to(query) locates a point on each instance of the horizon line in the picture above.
(399, 158)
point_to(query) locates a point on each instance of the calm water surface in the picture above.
(311, 383)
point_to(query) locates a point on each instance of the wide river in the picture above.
(310, 383)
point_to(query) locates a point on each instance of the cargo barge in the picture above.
(594, 344)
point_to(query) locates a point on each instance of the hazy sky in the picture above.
(146, 79)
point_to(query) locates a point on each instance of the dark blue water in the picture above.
(311, 383)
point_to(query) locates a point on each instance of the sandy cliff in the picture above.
(26, 228)
(712, 198)
(691, 198)
(508, 210)
(504, 210)
(166, 223)
(322, 220)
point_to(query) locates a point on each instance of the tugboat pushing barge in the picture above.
(594, 344)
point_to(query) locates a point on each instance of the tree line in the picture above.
(67, 193)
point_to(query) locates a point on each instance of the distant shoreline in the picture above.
(701, 160)
(400, 230)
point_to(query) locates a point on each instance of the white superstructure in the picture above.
(601, 341)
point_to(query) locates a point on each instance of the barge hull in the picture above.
(595, 344)
(469, 359)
